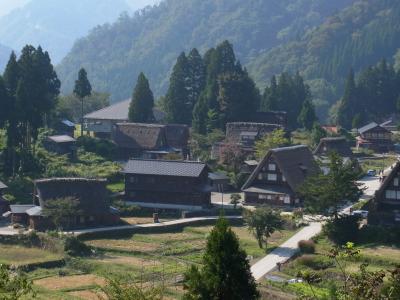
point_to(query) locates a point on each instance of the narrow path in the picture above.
(150, 225)
(285, 251)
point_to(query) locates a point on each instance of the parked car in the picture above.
(371, 172)
(361, 213)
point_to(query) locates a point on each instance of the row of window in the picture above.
(270, 177)
(374, 135)
(390, 194)
(284, 198)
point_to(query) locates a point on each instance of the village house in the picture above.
(65, 127)
(385, 208)
(270, 117)
(375, 137)
(101, 122)
(93, 207)
(4, 204)
(150, 141)
(244, 134)
(277, 177)
(167, 184)
(61, 144)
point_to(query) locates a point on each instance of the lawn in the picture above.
(377, 163)
(19, 255)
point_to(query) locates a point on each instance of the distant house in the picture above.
(61, 144)
(248, 166)
(277, 177)
(244, 134)
(375, 137)
(219, 182)
(167, 184)
(152, 141)
(386, 205)
(4, 204)
(270, 117)
(91, 195)
(333, 144)
(392, 123)
(101, 122)
(65, 127)
(331, 129)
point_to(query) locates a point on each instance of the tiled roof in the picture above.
(164, 167)
(119, 112)
(2, 186)
(367, 127)
(20, 208)
(61, 139)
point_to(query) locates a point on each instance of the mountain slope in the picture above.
(56, 24)
(356, 37)
(150, 41)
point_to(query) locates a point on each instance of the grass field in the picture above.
(377, 164)
(146, 258)
(18, 255)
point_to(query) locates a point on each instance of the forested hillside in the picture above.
(357, 37)
(150, 41)
(56, 24)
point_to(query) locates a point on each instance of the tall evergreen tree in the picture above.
(307, 116)
(141, 106)
(196, 80)
(347, 108)
(269, 99)
(82, 89)
(178, 106)
(225, 274)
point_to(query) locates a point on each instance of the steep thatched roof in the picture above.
(139, 136)
(295, 163)
(234, 130)
(90, 193)
(394, 171)
(2, 186)
(177, 135)
(330, 144)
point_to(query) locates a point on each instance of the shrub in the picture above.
(307, 246)
(343, 230)
(126, 210)
(75, 247)
(315, 262)
(101, 147)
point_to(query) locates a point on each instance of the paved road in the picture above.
(285, 251)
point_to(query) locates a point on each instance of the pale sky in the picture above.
(8, 5)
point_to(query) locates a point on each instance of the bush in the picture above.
(379, 234)
(315, 262)
(100, 147)
(307, 246)
(75, 247)
(126, 210)
(343, 230)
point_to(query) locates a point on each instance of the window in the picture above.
(82, 220)
(283, 178)
(272, 177)
(260, 176)
(390, 194)
(269, 197)
(396, 181)
(286, 200)
(271, 167)
(262, 197)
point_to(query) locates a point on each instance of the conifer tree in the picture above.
(196, 80)
(307, 116)
(269, 100)
(178, 106)
(225, 273)
(82, 89)
(142, 103)
(348, 103)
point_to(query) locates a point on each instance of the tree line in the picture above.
(208, 91)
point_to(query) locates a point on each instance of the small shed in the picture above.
(66, 127)
(219, 182)
(61, 144)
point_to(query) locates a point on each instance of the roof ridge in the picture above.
(166, 160)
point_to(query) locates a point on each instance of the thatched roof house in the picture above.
(333, 144)
(149, 140)
(279, 175)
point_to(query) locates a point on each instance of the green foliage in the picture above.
(275, 139)
(141, 106)
(315, 262)
(14, 286)
(119, 289)
(263, 222)
(235, 199)
(317, 133)
(61, 211)
(225, 273)
(325, 193)
(307, 116)
(74, 247)
(102, 147)
(343, 229)
(307, 247)
(69, 106)
(82, 87)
